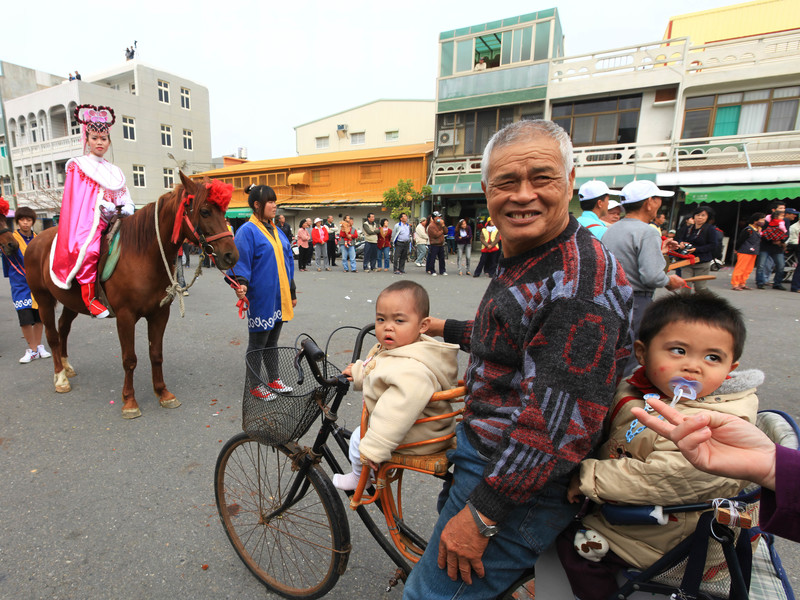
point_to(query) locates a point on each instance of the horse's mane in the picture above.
(137, 233)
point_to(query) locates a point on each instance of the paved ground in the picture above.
(94, 506)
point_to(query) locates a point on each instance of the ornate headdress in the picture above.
(98, 119)
(4, 207)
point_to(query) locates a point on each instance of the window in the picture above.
(128, 129)
(467, 133)
(599, 122)
(132, 89)
(370, 172)
(321, 176)
(166, 135)
(392, 136)
(169, 178)
(74, 128)
(138, 176)
(187, 140)
(357, 139)
(322, 142)
(185, 98)
(275, 179)
(742, 113)
(163, 91)
(531, 42)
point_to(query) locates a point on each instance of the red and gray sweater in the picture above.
(547, 348)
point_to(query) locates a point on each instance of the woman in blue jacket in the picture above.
(265, 273)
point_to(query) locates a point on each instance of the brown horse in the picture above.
(8, 245)
(138, 284)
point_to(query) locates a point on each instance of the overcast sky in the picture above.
(270, 66)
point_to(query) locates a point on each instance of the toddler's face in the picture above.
(692, 350)
(396, 320)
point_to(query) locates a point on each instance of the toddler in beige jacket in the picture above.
(398, 378)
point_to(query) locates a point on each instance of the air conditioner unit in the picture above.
(448, 137)
(342, 127)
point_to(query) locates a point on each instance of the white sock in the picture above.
(346, 482)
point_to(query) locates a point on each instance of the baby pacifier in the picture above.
(684, 388)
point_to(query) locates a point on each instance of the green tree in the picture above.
(403, 197)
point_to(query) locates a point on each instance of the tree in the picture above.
(403, 197)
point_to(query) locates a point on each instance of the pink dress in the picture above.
(77, 243)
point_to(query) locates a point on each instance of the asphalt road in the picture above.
(94, 506)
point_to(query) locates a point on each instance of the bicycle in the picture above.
(279, 508)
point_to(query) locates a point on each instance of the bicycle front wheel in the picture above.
(301, 552)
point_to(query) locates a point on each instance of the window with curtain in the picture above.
(743, 113)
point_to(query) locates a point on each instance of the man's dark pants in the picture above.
(400, 256)
(435, 252)
(370, 255)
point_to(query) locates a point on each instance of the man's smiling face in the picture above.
(528, 193)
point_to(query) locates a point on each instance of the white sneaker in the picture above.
(263, 392)
(42, 352)
(445, 273)
(279, 386)
(29, 356)
(434, 274)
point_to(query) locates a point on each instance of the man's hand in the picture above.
(675, 283)
(574, 495)
(435, 327)
(241, 291)
(461, 547)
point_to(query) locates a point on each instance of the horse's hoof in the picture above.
(131, 413)
(67, 367)
(61, 382)
(170, 402)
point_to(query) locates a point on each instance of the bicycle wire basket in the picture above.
(276, 416)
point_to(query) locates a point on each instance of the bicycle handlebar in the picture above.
(313, 356)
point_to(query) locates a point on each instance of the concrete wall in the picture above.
(412, 119)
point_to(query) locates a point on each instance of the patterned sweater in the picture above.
(547, 348)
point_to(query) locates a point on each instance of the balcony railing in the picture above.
(64, 147)
(678, 55)
(700, 153)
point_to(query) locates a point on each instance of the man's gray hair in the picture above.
(522, 131)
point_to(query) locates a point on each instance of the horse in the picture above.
(139, 282)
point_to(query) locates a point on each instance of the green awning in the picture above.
(238, 213)
(736, 193)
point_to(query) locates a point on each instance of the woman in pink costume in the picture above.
(93, 190)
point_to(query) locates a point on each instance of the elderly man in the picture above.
(546, 349)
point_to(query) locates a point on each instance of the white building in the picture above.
(378, 124)
(162, 124)
(16, 81)
(694, 117)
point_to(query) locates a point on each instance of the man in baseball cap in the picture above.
(594, 199)
(637, 247)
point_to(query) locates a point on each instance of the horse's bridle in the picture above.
(200, 239)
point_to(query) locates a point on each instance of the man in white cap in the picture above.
(594, 197)
(637, 247)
